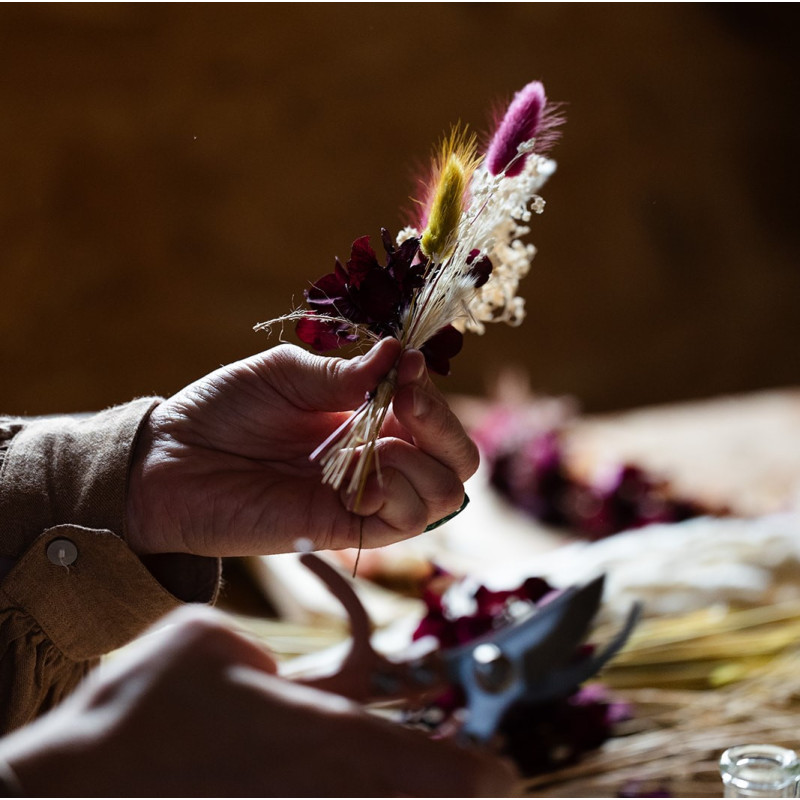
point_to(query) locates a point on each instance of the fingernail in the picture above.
(421, 403)
(442, 521)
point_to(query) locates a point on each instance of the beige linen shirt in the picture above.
(73, 590)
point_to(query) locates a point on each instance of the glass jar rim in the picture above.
(784, 762)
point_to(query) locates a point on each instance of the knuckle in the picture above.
(410, 515)
(453, 495)
(335, 367)
(417, 519)
(447, 428)
(473, 460)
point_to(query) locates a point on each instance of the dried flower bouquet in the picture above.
(457, 268)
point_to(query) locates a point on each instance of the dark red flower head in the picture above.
(366, 292)
(323, 335)
(481, 267)
(441, 347)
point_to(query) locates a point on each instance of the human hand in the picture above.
(222, 467)
(197, 710)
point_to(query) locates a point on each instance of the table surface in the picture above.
(742, 452)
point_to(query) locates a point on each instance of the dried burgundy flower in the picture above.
(545, 737)
(645, 788)
(531, 472)
(490, 608)
(481, 267)
(323, 335)
(366, 292)
(441, 347)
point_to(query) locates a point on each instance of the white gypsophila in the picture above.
(502, 208)
(409, 232)
(493, 224)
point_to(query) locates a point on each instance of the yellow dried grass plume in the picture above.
(452, 171)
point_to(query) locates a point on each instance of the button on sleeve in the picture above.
(62, 552)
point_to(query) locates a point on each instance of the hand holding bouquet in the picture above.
(456, 269)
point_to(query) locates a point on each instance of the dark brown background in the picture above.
(171, 175)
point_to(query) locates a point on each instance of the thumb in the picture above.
(322, 383)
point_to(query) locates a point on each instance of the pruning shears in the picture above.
(534, 659)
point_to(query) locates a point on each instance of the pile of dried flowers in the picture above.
(537, 738)
(528, 465)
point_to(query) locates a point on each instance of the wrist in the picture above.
(187, 577)
(135, 505)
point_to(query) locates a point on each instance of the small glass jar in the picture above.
(759, 770)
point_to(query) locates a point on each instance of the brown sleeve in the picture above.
(62, 491)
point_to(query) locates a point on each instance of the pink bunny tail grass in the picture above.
(529, 116)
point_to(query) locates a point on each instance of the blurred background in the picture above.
(174, 174)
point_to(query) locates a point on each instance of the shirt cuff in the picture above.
(89, 593)
(66, 478)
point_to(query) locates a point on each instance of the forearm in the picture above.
(73, 589)
(67, 470)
